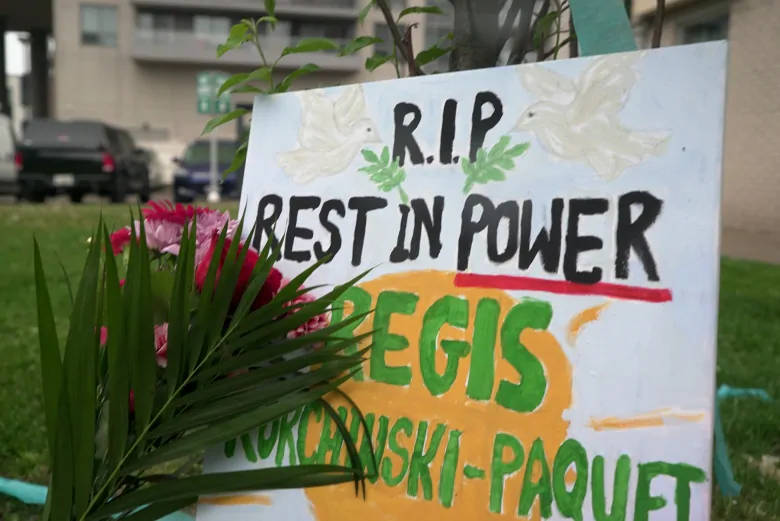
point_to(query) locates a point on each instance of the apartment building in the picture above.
(134, 62)
(751, 186)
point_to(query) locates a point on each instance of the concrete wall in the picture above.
(751, 186)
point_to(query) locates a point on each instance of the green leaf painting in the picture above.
(492, 165)
(384, 172)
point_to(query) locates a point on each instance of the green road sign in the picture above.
(208, 83)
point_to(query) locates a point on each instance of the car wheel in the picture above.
(32, 195)
(119, 190)
(146, 192)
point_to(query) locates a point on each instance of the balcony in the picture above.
(345, 9)
(189, 48)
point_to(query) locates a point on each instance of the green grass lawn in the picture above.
(748, 354)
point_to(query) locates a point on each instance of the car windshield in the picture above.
(62, 134)
(199, 153)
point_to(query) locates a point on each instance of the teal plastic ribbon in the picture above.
(36, 495)
(724, 473)
(602, 27)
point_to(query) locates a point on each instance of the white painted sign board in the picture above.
(545, 240)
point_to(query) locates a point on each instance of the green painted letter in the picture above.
(419, 468)
(500, 469)
(483, 347)
(447, 310)
(361, 300)
(527, 395)
(619, 490)
(570, 502)
(388, 303)
(541, 488)
(404, 425)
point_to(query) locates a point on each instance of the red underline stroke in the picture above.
(562, 287)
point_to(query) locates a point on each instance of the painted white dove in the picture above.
(332, 133)
(576, 120)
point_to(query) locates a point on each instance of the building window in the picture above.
(711, 30)
(99, 25)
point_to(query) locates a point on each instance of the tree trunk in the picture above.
(476, 30)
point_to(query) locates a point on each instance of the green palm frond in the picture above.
(198, 404)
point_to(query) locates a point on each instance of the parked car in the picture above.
(192, 177)
(153, 167)
(9, 160)
(78, 158)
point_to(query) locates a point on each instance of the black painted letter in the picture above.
(576, 244)
(298, 203)
(469, 228)
(479, 124)
(335, 234)
(266, 224)
(631, 235)
(403, 139)
(362, 205)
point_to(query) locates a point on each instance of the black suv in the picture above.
(78, 158)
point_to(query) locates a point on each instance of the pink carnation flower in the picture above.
(161, 236)
(161, 344)
(315, 323)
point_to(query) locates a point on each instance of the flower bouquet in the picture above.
(181, 337)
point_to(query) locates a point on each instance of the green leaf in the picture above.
(237, 399)
(118, 365)
(270, 20)
(543, 26)
(359, 43)
(238, 159)
(385, 157)
(61, 491)
(247, 89)
(366, 9)
(428, 9)
(518, 150)
(468, 167)
(311, 45)
(481, 157)
(430, 55)
(286, 83)
(493, 174)
(140, 329)
(270, 7)
(468, 185)
(221, 120)
(499, 148)
(160, 509)
(303, 476)
(179, 316)
(225, 430)
(376, 61)
(232, 82)
(80, 373)
(51, 363)
(239, 35)
(263, 74)
(370, 156)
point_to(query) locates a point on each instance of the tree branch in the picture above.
(476, 32)
(658, 24)
(526, 33)
(398, 38)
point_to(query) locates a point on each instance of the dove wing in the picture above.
(603, 88)
(318, 125)
(544, 83)
(350, 107)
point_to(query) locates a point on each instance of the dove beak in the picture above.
(376, 138)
